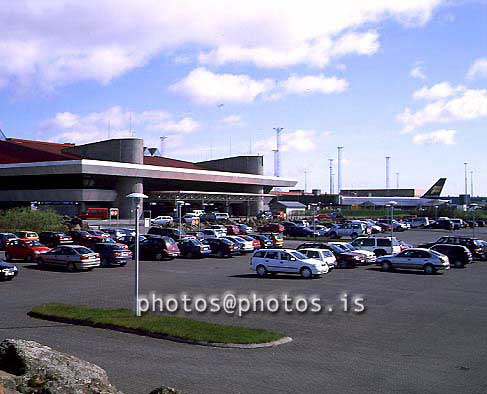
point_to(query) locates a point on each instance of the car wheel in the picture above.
(158, 256)
(71, 267)
(189, 255)
(261, 271)
(386, 266)
(8, 257)
(123, 264)
(459, 264)
(104, 262)
(219, 254)
(28, 259)
(306, 273)
(429, 269)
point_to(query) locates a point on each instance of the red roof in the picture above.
(24, 151)
(15, 150)
(165, 162)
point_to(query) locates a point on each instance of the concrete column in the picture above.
(127, 185)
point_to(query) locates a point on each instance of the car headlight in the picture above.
(36, 252)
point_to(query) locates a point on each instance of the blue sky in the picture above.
(405, 79)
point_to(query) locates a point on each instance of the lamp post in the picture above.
(137, 199)
(436, 212)
(391, 205)
(315, 207)
(473, 207)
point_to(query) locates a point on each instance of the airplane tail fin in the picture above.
(436, 189)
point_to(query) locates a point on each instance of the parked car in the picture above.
(265, 242)
(271, 228)
(221, 229)
(5, 238)
(345, 258)
(80, 237)
(118, 233)
(129, 240)
(443, 224)
(98, 234)
(426, 260)
(232, 229)
(245, 229)
(247, 245)
(8, 271)
(27, 235)
(299, 231)
(379, 245)
(276, 238)
(54, 238)
(222, 247)
(112, 254)
(156, 247)
(209, 233)
(238, 245)
(369, 256)
(173, 233)
(19, 249)
(459, 223)
(301, 222)
(70, 257)
(458, 255)
(162, 220)
(190, 248)
(321, 254)
(286, 261)
(418, 222)
(352, 230)
(255, 241)
(473, 244)
(215, 217)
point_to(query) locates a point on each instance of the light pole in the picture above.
(473, 207)
(436, 212)
(137, 199)
(315, 207)
(392, 204)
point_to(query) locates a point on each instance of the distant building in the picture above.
(290, 208)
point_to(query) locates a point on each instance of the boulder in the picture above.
(31, 368)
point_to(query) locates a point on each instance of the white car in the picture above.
(287, 261)
(222, 230)
(321, 254)
(426, 260)
(162, 220)
(379, 245)
(248, 246)
(209, 233)
(370, 257)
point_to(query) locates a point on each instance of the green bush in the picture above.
(19, 219)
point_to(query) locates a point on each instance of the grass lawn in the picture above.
(151, 323)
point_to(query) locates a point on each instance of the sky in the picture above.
(405, 79)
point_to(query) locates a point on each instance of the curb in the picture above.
(160, 336)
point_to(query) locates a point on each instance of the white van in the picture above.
(379, 245)
(287, 261)
(222, 216)
(418, 222)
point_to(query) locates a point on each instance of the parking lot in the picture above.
(418, 334)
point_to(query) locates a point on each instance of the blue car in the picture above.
(7, 271)
(194, 248)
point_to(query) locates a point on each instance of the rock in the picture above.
(166, 390)
(32, 368)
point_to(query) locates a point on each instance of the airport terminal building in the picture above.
(71, 178)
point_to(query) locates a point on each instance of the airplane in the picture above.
(430, 198)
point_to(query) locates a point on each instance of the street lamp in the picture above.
(473, 207)
(315, 207)
(436, 212)
(137, 199)
(391, 205)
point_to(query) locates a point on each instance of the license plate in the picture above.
(125, 254)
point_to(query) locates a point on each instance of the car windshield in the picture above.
(34, 243)
(338, 248)
(299, 255)
(395, 242)
(434, 252)
(82, 250)
(349, 247)
(478, 242)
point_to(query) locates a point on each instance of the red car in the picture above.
(19, 249)
(272, 228)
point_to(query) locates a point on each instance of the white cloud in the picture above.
(438, 137)
(478, 69)
(232, 120)
(417, 72)
(300, 140)
(439, 91)
(467, 104)
(116, 122)
(51, 44)
(206, 87)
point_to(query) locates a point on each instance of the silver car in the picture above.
(70, 257)
(415, 258)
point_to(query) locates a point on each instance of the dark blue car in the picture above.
(193, 248)
(7, 271)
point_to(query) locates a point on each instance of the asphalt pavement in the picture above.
(419, 333)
